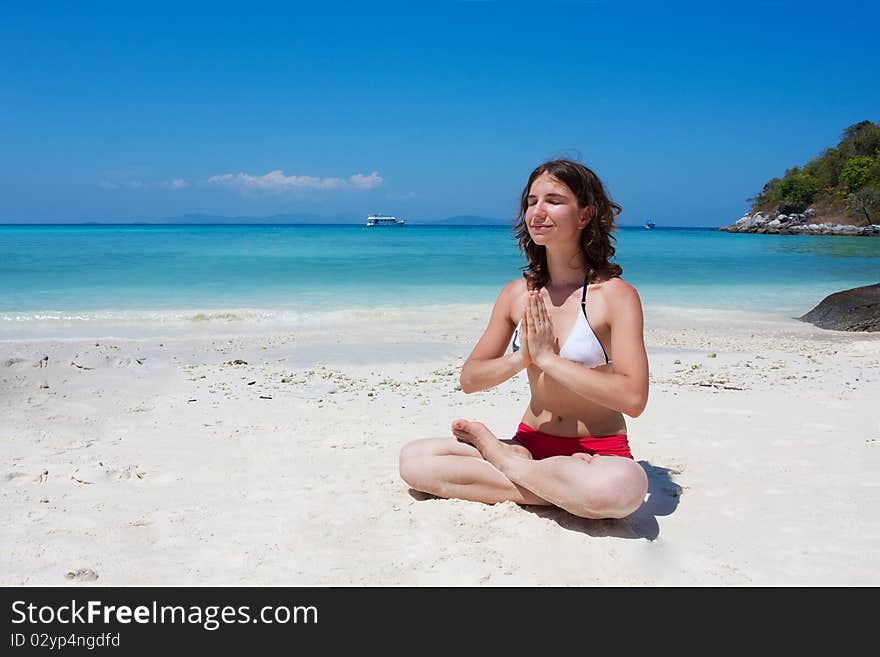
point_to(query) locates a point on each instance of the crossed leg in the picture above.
(479, 467)
(449, 468)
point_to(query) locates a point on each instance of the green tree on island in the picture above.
(842, 182)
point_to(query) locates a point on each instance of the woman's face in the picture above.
(552, 214)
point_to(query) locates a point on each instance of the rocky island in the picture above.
(805, 223)
(836, 193)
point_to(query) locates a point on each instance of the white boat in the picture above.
(650, 224)
(383, 220)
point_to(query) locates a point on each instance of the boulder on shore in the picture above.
(857, 309)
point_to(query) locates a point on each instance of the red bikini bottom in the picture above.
(542, 445)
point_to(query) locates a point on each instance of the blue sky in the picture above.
(424, 110)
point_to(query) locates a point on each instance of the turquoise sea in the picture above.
(57, 274)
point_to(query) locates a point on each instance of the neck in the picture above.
(566, 266)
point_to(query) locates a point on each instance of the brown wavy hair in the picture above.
(596, 238)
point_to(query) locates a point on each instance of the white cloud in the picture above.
(276, 181)
(361, 181)
(178, 183)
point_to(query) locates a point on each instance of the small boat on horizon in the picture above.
(383, 220)
(650, 225)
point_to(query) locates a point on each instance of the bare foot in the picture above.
(481, 437)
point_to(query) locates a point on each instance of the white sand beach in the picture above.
(262, 458)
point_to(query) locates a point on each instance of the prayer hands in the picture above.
(538, 336)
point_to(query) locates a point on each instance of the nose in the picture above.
(538, 210)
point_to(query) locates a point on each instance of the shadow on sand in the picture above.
(662, 500)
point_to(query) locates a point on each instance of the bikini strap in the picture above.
(584, 295)
(584, 309)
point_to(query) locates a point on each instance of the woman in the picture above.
(577, 330)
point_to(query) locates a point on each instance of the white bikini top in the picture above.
(582, 345)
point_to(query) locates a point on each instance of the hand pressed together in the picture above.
(538, 329)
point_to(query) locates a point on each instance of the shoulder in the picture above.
(511, 297)
(512, 291)
(514, 286)
(617, 293)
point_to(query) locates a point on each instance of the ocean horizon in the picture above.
(409, 223)
(60, 278)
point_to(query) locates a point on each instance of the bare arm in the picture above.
(626, 388)
(488, 365)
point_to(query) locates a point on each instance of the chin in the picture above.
(540, 240)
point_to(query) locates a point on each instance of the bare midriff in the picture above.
(557, 410)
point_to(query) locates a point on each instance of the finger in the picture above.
(546, 320)
(545, 311)
(533, 311)
(539, 320)
(542, 310)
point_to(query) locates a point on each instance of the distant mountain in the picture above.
(200, 218)
(468, 220)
